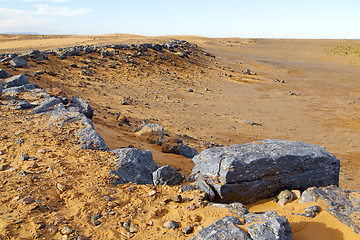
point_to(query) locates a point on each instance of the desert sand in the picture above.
(303, 90)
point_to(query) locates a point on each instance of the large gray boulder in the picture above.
(4, 74)
(133, 165)
(82, 106)
(166, 175)
(223, 229)
(16, 81)
(342, 204)
(268, 226)
(253, 171)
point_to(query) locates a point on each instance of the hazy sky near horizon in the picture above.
(227, 18)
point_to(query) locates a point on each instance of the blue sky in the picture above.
(226, 18)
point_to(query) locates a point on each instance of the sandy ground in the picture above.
(304, 90)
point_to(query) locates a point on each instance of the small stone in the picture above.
(286, 194)
(190, 90)
(52, 229)
(171, 224)
(95, 222)
(61, 187)
(4, 167)
(176, 198)
(309, 214)
(81, 237)
(24, 157)
(66, 231)
(152, 193)
(187, 229)
(108, 198)
(42, 151)
(28, 200)
(112, 204)
(296, 194)
(315, 209)
(131, 227)
(196, 218)
(1, 152)
(282, 202)
(150, 223)
(127, 234)
(191, 207)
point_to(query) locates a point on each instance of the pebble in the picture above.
(187, 229)
(66, 231)
(24, 157)
(176, 198)
(152, 193)
(171, 224)
(131, 227)
(150, 223)
(1, 152)
(82, 238)
(296, 194)
(61, 187)
(4, 167)
(190, 90)
(28, 200)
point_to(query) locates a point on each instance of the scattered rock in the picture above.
(171, 224)
(66, 231)
(190, 90)
(16, 81)
(24, 157)
(253, 171)
(285, 197)
(28, 200)
(225, 228)
(82, 106)
(18, 62)
(4, 74)
(176, 199)
(61, 187)
(134, 165)
(342, 204)
(176, 146)
(131, 227)
(166, 175)
(187, 229)
(268, 226)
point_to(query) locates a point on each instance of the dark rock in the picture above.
(253, 171)
(48, 105)
(16, 81)
(223, 229)
(90, 139)
(187, 229)
(34, 54)
(268, 226)
(134, 165)
(171, 224)
(166, 175)
(82, 106)
(205, 187)
(19, 89)
(342, 204)
(4, 74)
(18, 62)
(24, 157)
(176, 146)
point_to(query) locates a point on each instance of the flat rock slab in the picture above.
(342, 204)
(253, 171)
(223, 229)
(134, 165)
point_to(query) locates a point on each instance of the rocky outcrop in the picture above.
(342, 204)
(133, 165)
(223, 229)
(176, 146)
(19, 62)
(258, 170)
(166, 175)
(268, 226)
